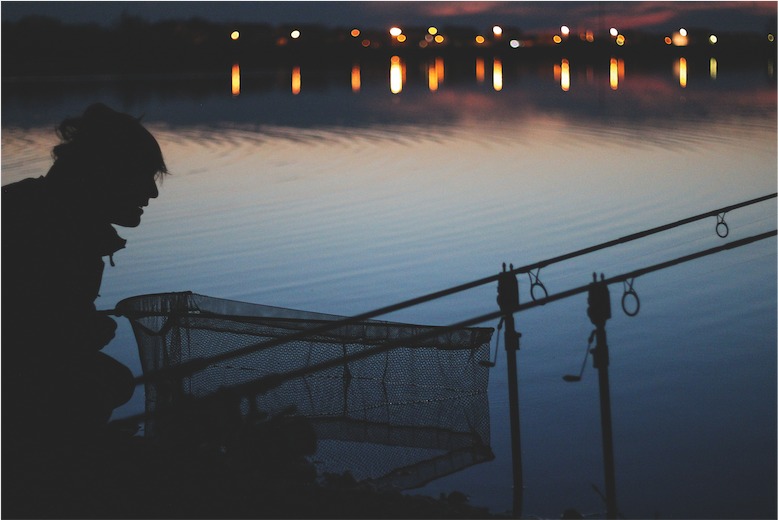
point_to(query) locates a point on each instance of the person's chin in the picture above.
(128, 219)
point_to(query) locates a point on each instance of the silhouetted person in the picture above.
(58, 388)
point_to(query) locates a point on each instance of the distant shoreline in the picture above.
(39, 47)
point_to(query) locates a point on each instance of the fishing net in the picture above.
(387, 407)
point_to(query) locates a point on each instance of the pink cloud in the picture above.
(549, 15)
(448, 9)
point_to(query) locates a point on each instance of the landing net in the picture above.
(398, 418)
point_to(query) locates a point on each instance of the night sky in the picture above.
(528, 16)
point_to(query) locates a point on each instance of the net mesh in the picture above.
(399, 417)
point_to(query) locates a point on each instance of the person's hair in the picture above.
(102, 140)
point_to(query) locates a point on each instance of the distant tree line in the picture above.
(41, 46)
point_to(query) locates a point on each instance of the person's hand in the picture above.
(103, 331)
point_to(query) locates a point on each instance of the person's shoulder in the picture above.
(25, 186)
(24, 197)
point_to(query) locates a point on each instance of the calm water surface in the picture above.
(342, 200)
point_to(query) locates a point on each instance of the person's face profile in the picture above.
(127, 193)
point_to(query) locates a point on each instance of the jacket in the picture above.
(52, 268)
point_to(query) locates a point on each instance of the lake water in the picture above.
(343, 191)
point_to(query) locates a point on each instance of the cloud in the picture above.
(649, 16)
(456, 9)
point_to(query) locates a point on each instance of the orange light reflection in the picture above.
(565, 75)
(614, 74)
(432, 78)
(356, 79)
(480, 70)
(681, 72)
(396, 75)
(497, 75)
(235, 80)
(296, 80)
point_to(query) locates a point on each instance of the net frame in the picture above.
(415, 412)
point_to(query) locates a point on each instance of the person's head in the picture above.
(110, 161)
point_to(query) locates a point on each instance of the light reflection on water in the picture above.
(346, 198)
(435, 76)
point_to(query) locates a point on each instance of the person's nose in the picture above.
(153, 192)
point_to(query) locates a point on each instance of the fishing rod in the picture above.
(721, 225)
(269, 382)
(721, 229)
(301, 372)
